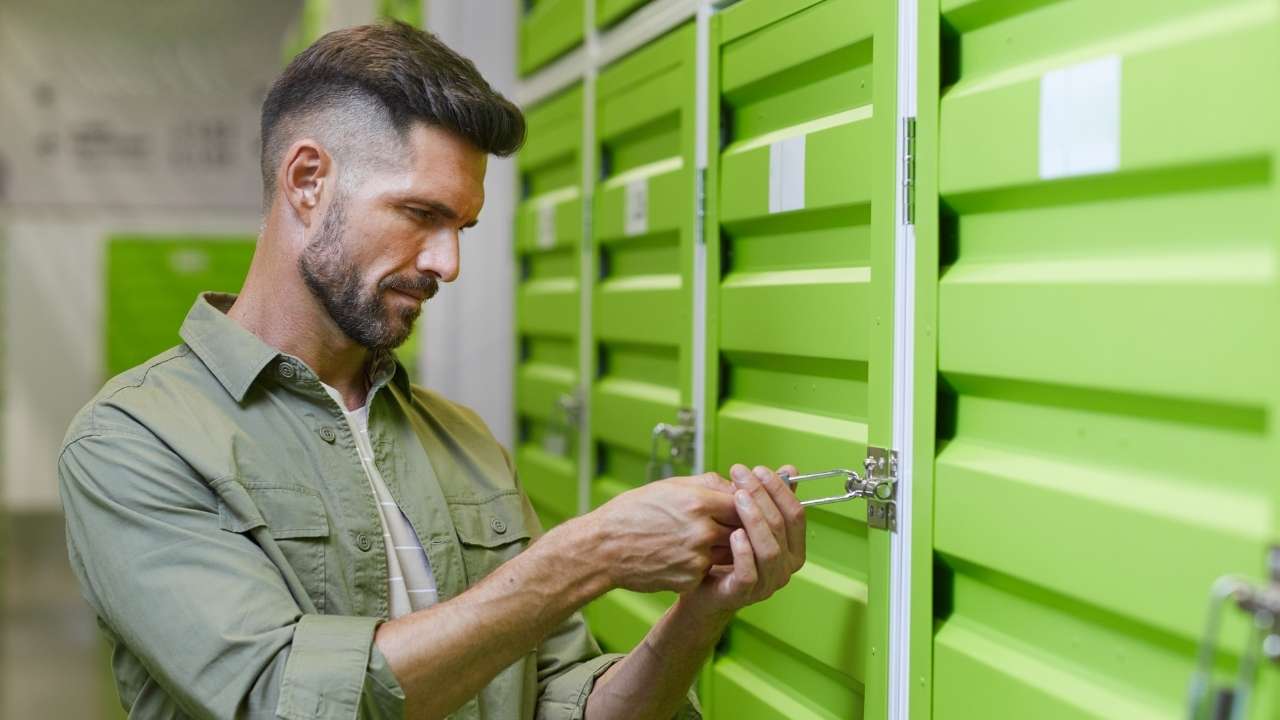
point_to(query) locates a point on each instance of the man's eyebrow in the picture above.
(441, 209)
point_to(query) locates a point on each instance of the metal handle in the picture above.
(854, 487)
(569, 407)
(679, 439)
(1262, 604)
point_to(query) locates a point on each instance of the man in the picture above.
(270, 521)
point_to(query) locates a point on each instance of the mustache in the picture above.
(425, 285)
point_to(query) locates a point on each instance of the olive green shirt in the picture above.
(221, 527)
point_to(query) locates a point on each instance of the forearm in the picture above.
(652, 681)
(446, 654)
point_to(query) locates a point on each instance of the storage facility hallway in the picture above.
(723, 359)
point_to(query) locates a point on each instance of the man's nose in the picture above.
(440, 256)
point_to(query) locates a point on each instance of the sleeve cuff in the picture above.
(331, 662)
(565, 696)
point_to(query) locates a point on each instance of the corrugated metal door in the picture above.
(799, 362)
(548, 29)
(152, 282)
(549, 225)
(642, 228)
(1108, 325)
(609, 12)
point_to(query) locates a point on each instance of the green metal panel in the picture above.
(151, 283)
(799, 360)
(549, 225)
(609, 12)
(548, 29)
(407, 11)
(642, 232)
(1108, 323)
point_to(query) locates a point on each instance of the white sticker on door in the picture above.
(786, 175)
(546, 225)
(1080, 119)
(636, 207)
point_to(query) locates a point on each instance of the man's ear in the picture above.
(304, 175)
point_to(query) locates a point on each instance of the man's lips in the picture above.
(419, 295)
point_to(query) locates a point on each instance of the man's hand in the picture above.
(766, 550)
(666, 535)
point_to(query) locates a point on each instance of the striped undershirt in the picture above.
(410, 583)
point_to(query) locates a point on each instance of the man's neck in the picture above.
(277, 306)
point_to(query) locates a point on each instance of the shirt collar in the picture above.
(236, 357)
(233, 354)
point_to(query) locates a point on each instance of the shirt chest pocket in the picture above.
(490, 532)
(289, 522)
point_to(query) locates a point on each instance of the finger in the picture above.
(745, 574)
(793, 512)
(764, 544)
(710, 481)
(756, 482)
(718, 506)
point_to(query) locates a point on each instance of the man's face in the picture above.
(387, 240)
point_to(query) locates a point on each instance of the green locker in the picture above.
(548, 29)
(799, 262)
(151, 282)
(1108, 311)
(549, 224)
(642, 235)
(609, 12)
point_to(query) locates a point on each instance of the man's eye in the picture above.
(424, 215)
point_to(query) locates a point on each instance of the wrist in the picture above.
(702, 614)
(575, 544)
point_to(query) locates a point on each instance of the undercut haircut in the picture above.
(360, 90)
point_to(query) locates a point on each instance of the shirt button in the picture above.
(286, 370)
(328, 435)
(498, 525)
(363, 542)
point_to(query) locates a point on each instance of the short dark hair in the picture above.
(407, 73)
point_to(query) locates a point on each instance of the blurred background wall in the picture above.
(128, 176)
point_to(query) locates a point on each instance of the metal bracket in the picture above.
(882, 475)
(680, 445)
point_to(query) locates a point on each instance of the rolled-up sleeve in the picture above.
(204, 610)
(569, 663)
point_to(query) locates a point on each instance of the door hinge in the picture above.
(909, 171)
(881, 467)
(700, 198)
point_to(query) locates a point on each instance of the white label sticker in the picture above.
(786, 175)
(636, 207)
(1080, 119)
(547, 225)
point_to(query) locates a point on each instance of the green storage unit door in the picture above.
(549, 226)
(642, 235)
(548, 29)
(151, 282)
(1108, 324)
(801, 88)
(609, 12)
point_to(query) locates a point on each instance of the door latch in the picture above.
(878, 484)
(679, 441)
(1261, 603)
(565, 420)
